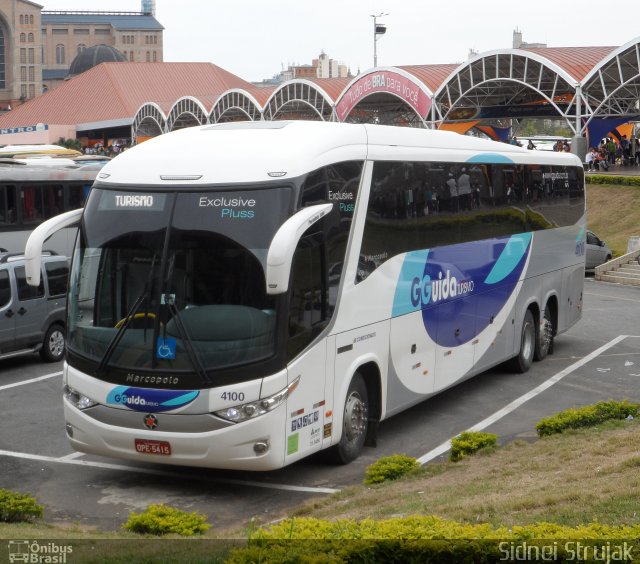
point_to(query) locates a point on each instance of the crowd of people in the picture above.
(611, 152)
(111, 150)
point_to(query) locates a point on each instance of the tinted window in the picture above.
(5, 288)
(308, 297)
(7, 204)
(57, 275)
(421, 205)
(77, 195)
(337, 184)
(41, 202)
(26, 292)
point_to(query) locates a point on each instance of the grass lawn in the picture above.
(613, 213)
(573, 478)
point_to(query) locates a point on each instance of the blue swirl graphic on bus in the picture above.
(145, 399)
(460, 288)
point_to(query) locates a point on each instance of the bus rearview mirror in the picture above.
(33, 249)
(284, 243)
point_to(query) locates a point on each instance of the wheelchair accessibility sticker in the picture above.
(166, 348)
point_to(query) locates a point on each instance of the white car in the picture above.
(597, 251)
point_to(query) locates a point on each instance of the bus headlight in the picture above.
(76, 399)
(239, 413)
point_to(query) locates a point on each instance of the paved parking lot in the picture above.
(597, 360)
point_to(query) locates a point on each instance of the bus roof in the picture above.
(243, 152)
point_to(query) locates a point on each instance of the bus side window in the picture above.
(57, 276)
(26, 292)
(53, 203)
(75, 196)
(7, 204)
(5, 288)
(31, 197)
(308, 302)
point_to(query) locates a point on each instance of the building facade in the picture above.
(38, 46)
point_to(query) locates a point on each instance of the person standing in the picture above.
(464, 189)
(610, 147)
(453, 192)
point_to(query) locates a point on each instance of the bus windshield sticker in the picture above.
(166, 348)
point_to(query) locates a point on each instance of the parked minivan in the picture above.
(33, 319)
(598, 252)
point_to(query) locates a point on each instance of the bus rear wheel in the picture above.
(544, 336)
(522, 362)
(355, 422)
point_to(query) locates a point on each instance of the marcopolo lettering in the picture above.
(131, 201)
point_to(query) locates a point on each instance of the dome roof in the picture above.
(93, 56)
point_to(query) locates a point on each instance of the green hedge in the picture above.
(470, 442)
(390, 468)
(163, 520)
(613, 179)
(588, 416)
(16, 507)
(422, 539)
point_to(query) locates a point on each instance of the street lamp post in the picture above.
(378, 29)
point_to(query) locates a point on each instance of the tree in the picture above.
(70, 143)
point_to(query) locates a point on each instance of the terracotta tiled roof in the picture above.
(577, 61)
(431, 75)
(260, 93)
(112, 91)
(332, 86)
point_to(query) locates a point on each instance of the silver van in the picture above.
(33, 319)
(598, 252)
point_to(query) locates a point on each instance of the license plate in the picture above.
(145, 446)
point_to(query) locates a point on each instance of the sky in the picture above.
(256, 39)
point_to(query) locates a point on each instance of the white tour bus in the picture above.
(38, 188)
(243, 295)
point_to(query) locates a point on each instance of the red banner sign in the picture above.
(384, 81)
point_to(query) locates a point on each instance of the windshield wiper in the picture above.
(169, 300)
(127, 320)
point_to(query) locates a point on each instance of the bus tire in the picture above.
(53, 344)
(523, 360)
(355, 421)
(544, 336)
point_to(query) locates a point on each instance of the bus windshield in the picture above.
(175, 281)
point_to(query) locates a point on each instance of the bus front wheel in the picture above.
(355, 421)
(522, 362)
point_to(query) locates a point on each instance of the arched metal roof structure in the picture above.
(187, 112)
(492, 83)
(299, 99)
(612, 88)
(149, 121)
(236, 105)
(386, 95)
(581, 85)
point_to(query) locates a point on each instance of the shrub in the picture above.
(612, 179)
(470, 442)
(587, 416)
(418, 539)
(390, 468)
(16, 507)
(160, 519)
